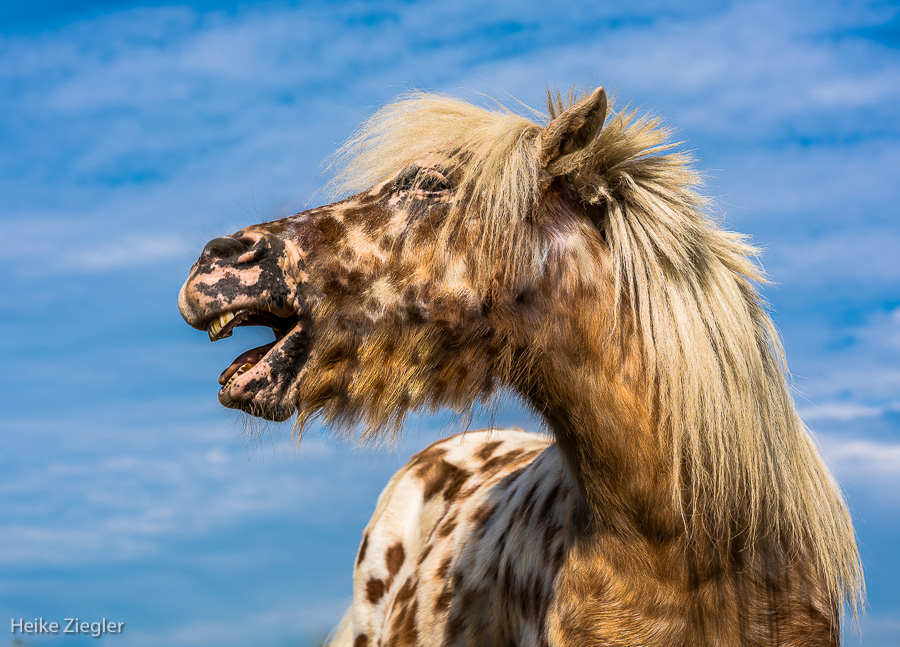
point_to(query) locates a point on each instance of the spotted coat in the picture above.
(465, 545)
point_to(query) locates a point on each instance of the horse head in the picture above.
(423, 289)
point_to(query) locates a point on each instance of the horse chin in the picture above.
(258, 407)
(271, 411)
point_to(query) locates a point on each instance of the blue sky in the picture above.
(131, 133)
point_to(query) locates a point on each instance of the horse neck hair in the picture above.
(744, 463)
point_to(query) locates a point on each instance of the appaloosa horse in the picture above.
(679, 500)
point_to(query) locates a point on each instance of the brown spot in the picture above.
(508, 578)
(362, 549)
(386, 243)
(331, 229)
(559, 555)
(374, 590)
(483, 514)
(444, 568)
(531, 455)
(362, 640)
(488, 450)
(440, 475)
(495, 464)
(455, 627)
(394, 557)
(371, 217)
(424, 554)
(498, 462)
(513, 456)
(547, 505)
(443, 601)
(407, 591)
(405, 633)
(550, 532)
(447, 527)
(529, 595)
(510, 479)
(528, 503)
(455, 484)
(428, 455)
(467, 492)
(501, 543)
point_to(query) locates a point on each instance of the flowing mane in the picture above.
(743, 460)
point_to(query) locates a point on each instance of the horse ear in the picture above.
(573, 129)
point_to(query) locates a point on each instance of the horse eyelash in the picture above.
(413, 178)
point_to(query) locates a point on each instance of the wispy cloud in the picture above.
(124, 253)
(846, 257)
(140, 502)
(852, 357)
(840, 411)
(871, 459)
(305, 624)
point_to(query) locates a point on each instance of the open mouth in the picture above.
(254, 369)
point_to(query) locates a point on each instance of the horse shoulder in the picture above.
(446, 552)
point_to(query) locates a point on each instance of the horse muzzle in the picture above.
(251, 278)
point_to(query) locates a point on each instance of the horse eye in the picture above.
(414, 178)
(406, 179)
(432, 180)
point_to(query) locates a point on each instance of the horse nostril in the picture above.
(224, 248)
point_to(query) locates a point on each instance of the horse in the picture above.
(679, 498)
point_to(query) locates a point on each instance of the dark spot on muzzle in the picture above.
(227, 247)
(241, 252)
(286, 361)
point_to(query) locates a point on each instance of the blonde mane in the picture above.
(744, 462)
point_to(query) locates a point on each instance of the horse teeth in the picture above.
(243, 369)
(215, 326)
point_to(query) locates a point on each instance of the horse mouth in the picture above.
(255, 382)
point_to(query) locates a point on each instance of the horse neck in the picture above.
(589, 390)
